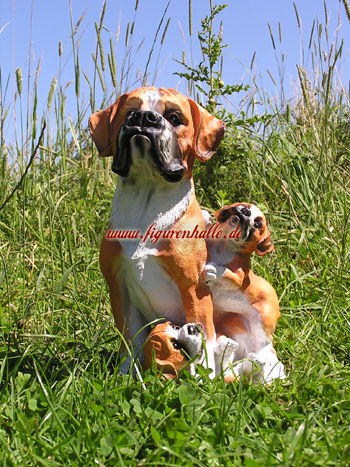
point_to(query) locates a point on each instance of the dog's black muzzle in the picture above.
(144, 119)
(194, 329)
(237, 215)
(165, 150)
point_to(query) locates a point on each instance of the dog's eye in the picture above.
(175, 327)
(177, 345)
(257, 224)
(174, 119)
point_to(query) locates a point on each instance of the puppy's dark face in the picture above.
(249, 223)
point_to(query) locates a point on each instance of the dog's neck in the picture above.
(225, 252)
(138, 206)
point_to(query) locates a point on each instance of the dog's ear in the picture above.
(103, 128)
(223, 214)
(265, 246)
(168, 370)
(209, 132)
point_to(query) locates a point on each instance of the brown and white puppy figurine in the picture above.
(175, 346)
(246, 306)
(154, 136)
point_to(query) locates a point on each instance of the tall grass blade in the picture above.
(312, 33)
(302, 80)
(271, 35)
(347, 8)
(297, 15)
(165, 31)
(190, 17)
(127, 35)
(100, 46)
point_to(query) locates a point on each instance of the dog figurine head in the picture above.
(174, 347)
(155, 132)
(251, 223)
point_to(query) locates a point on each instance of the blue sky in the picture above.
(245, 30)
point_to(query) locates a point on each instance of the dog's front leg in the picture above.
(198, 305)
(128, 319)
(130, 323)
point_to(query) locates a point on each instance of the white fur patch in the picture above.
(207, 218)
(271, 367)
(263, 366)
(137, 208)
(152, 101)
(192, 342)
(255, 212)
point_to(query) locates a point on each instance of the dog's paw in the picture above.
(224, 352)
(250, 365)
(259, 364)
(273, 368)
(210, 273)
(231, 345)
(225, 345)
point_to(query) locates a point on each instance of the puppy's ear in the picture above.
(168, 370)
(223, 214)
(209, 132)
(264, 246)
(103, 128)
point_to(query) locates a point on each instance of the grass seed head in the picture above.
(51, 92)
(19, 81)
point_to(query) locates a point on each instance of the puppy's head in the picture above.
(174, 347)
(250, 226)
(156, 132)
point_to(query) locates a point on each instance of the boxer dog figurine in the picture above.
(246, 307)
(154, 136)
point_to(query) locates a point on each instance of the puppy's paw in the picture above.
(273, 368)
(225, 345)
(210, 273)
(224, 352)
(257, 361)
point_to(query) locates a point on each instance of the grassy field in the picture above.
(63, 401)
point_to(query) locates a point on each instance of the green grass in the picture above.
(63, 401)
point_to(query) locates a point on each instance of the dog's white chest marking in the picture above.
(136, 208)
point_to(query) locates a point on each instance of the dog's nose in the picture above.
(246, 211)
(194, 329)
(144, 119)
(150, 119)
